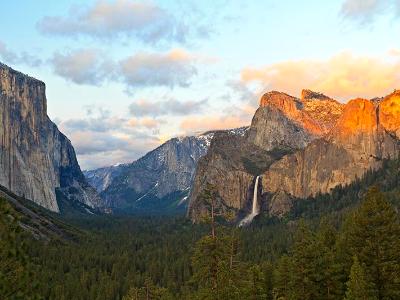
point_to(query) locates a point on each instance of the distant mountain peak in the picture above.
(278, 99)
(293, 109)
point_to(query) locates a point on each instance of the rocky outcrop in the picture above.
(359, 141)
(36, 159)
(102, 178)
(281, 122)
(322, 109)
(389, 112)
(225, 167)
(281, 125)
(301, 147)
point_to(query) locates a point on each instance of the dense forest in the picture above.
(345, 245)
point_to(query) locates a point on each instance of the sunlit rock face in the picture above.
(389, 112)
(35, 157)
(293, 108)
(301, 146)
(282, 124)
(358, 142)
(322, 109)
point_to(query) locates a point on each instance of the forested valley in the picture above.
(344, 245)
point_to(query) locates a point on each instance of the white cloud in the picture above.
(169, 107)
(11, 57)
(90, 66)
(173, 68)
(6, 54)
(365, 11)
(82, 66)
(343, 76)
(144, 20)
(102, 139)
(193, 125)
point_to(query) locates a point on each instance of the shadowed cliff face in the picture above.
(158, 182)
(35, 158)
(281, 125)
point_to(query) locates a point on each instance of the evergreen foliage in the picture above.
(322, 251)
(360, 286)
(15, 270)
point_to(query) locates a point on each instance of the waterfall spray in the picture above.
(255, 210)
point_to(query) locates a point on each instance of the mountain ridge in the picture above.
(323, 143)
(159, 180)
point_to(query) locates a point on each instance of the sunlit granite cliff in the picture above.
(300, 147)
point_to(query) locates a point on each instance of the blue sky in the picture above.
(122, 76)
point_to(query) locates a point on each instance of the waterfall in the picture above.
(255, 210)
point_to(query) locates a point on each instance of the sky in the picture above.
(124, 76)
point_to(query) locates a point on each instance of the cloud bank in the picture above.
(343, 76)
(103, 139)
(82, 66)
(365, 11)
(143, 20)
(169, 107)
(24, 57)
(174, 68)
(193, 125)
(90, 66)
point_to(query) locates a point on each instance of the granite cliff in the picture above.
(37, 161)
(282, 124)
(300, 147)
(362, 138)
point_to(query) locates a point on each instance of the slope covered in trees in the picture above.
(339, 246)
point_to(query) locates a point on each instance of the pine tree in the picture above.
(328, 275)
(268, 271)
(134, 293)
(360, 286)
(216, 269)
(256, 285)
(147, 292)
(304, 271)
(15, 268)
(374, 238)
(209, 254)
(282, 278)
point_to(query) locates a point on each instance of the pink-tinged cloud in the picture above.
(149, 123)
(192, 125)
(82, 66)
(343, 76)
(173, 107)
(173, 68)
(143, 20)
